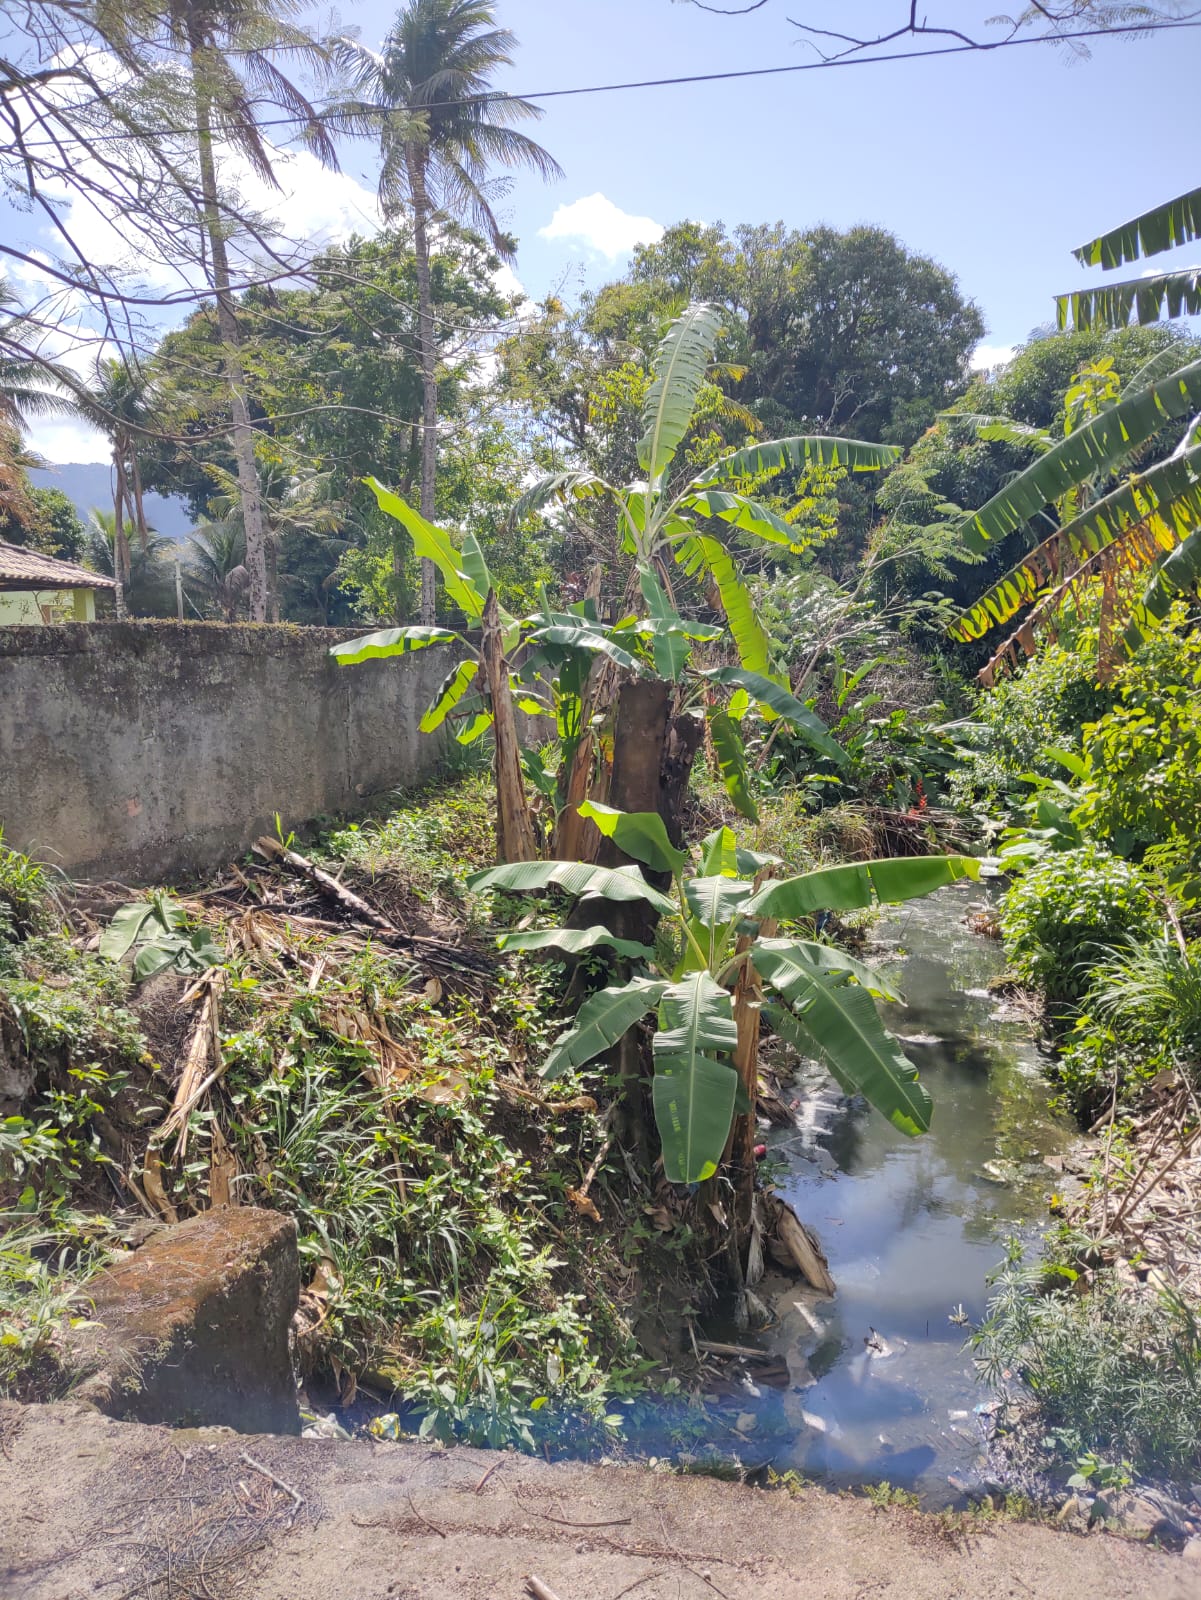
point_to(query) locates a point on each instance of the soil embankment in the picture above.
(93, 1506)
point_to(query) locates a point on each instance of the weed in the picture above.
(1115, 1375)
(885, 1494)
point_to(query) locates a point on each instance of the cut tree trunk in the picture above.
(515, 836)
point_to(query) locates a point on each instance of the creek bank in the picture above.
(158, 1514)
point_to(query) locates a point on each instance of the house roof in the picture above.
(21, 568)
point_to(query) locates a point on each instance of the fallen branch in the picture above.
(297, 1499)
(744, 1352)
(361, 911)
(204, 1045)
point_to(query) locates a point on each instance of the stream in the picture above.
(912, 1227)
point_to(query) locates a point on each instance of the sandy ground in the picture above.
(90, 1507)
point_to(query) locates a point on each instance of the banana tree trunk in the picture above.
(515, 836)
(415, 160)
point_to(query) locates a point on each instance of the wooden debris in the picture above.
(802, 1247)
(432, 951)
(539, 1591)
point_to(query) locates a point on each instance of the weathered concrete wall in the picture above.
(144, 750)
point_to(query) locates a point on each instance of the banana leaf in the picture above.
(1167, 294)
(574, 878)
(678, 373)
(435, 545)
(1097, 447)
(1162, 228)
(858, 884)
(796, 452)
(600, 1022)
(391, 642)
(782, 703)
(641, 834)
(693, 1090)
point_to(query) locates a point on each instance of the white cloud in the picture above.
(64, 441)
(987, 356)
(595, 222)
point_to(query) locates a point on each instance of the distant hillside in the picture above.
(89, 484)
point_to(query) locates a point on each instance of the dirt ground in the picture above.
(90, 1507)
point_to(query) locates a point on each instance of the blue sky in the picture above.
(996, 165)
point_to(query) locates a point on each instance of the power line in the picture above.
(332, 113)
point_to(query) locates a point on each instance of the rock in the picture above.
(1192, 1550)
(1136, 1514)
(193, 1327)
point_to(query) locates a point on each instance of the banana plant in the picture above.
(688, 521)
(721, 916)
(1151, 520)
(548, 657)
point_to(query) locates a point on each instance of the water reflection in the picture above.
(912, 1228)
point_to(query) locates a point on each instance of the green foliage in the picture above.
(24, 895)
(1143, 757)
(1115, 1374)
(823, 997)
(1058, 918)
(157, 933)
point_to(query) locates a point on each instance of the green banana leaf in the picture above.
(714, 905)
(719, 854)
(435, 545)
(842, 1028)
(578, 635)
(126, 928)
(859, 884)
(747, 515)
(1167, 294)
(1166, 500)
(1162, 228)
(693, 1091)
(475, 729)
(731, 759)
(391, 642)
(699, 554)
(670, 648)
(784, 704)
(1097, 447)
(640, 834)
(801, 450)
(678, 373)
(454, 686)
(600, 1022)
(814, 959)
(574, 941)
(574, 878)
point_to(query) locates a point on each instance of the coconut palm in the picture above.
(217, 557)
(150, 588)
(441, 127)
(231, 49)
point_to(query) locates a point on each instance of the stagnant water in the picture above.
(912, 1227)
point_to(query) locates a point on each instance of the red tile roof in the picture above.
(21, 568)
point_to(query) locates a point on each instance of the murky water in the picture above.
(912, 1227)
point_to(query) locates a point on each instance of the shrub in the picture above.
(1113, 1372)
(1057, 917)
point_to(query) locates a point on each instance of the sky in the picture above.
(994, 164)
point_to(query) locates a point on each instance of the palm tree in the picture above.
(116, 404)
(150, 588)
(441, 127)
(230, 49)
(217, 555)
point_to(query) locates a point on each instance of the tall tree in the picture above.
(230, 49)
(441, 127)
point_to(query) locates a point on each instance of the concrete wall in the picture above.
(147, 750)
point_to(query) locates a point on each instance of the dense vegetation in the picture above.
(737, 526)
